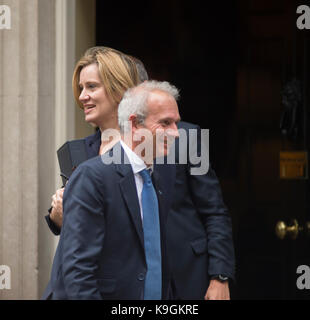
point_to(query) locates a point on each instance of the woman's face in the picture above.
(99, 109)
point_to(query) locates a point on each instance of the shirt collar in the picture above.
(136, 162)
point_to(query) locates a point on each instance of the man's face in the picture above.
(161, 120)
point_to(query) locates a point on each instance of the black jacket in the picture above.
(100, 254)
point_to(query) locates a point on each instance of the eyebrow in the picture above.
(171, 119)
(88, 82)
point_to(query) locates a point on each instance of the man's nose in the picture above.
(174, 131)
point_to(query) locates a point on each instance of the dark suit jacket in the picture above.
(100, 254)
(199, 232)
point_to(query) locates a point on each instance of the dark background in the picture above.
(176, 42)
(231, 61)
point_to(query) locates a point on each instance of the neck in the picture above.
(109, 137)
(139, 149)
(106, 126)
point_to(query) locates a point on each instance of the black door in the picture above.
(272, 117)
(242, 68)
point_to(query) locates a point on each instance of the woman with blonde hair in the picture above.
(103, 71)
(99, 81)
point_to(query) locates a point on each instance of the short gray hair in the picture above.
(135, 100)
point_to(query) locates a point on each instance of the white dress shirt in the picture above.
(137, 165)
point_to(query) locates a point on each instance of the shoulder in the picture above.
(187, 125)
(92, 169)
(93, 137)
(92, 178)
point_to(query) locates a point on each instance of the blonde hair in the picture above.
(117, 71)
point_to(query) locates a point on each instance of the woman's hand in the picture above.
(56, 213)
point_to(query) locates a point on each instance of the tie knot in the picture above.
(146, 176)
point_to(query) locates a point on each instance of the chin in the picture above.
(91, 121)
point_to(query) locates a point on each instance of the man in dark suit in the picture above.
(199, 231)
(102, 251)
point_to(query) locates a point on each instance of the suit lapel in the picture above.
(160, 195)
(165, 179)
(161, 184)
(129, 190)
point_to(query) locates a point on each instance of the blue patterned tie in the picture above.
(151, 230)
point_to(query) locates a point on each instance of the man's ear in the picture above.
(134, 122)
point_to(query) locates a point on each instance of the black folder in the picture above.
(70, 155)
